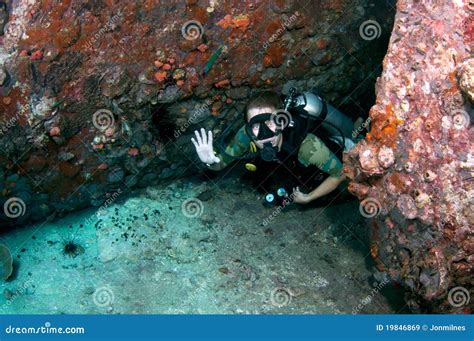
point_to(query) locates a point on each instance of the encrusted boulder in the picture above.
(414, 171)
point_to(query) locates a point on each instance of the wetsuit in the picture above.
(304, 159)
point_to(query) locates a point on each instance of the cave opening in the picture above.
(163, 122)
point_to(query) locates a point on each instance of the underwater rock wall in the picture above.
(414, 171)
(100, 96)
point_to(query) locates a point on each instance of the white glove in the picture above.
(204, 147)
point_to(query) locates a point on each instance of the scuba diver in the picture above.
(300, 134)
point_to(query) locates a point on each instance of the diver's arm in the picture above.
(326, 187)
(314, 152)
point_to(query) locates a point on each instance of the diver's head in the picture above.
(261, 124)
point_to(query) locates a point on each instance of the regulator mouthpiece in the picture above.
(268, 152)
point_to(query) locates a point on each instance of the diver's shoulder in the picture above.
(242, 135)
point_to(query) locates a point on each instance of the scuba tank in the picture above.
(338, 126)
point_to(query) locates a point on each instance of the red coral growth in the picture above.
(160, 76)
(202, 47)
(133, 151)
(225, 22)
(275, 56)
(222, 83)
(241, 21)
(55, 131)
(37, 55)
(385, 125)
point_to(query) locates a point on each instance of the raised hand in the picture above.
(204, 149)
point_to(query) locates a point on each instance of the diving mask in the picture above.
(262, 124)
(263, 127)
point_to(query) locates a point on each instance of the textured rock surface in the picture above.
(98, 95)
(414, 171)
